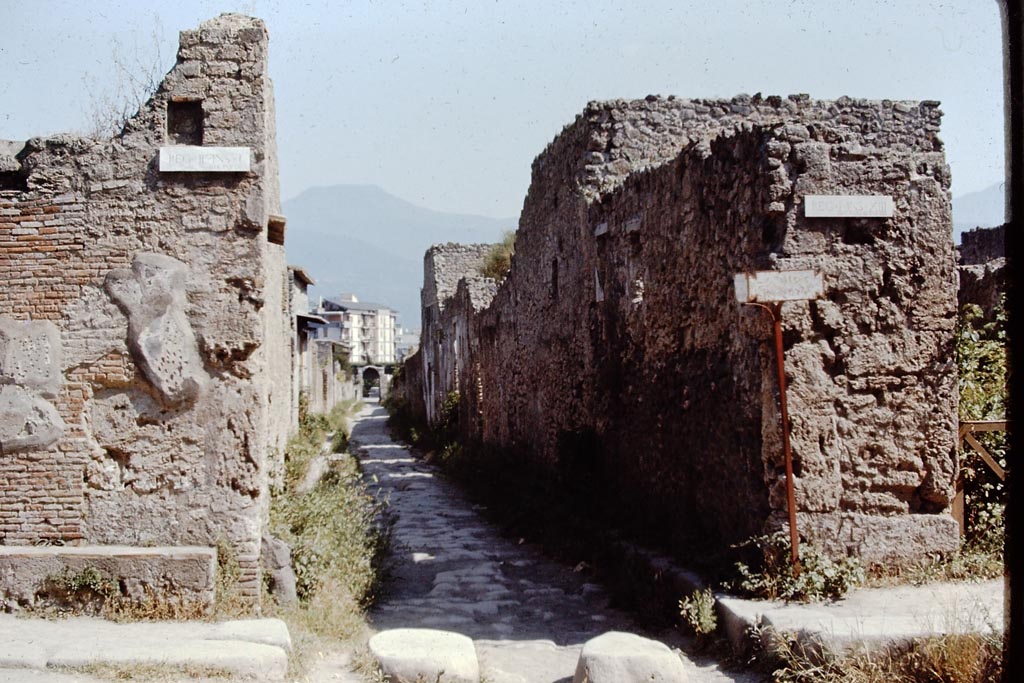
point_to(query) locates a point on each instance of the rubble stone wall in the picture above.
(982, 258)
(329, 385)
(444, 266)
(981, 245)
(164, 307)
(615, 351)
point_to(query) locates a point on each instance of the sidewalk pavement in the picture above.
(251, 648)
(874, 616)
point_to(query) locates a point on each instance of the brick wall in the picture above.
(170, 306)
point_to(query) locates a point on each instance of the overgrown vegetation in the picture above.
(334, 533)
(982, 361)
(967, 658)
(499, 259)
(89, 590)
(820, 578)
(697, 612)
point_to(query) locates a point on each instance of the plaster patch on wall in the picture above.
(161, 340)
(29, 373)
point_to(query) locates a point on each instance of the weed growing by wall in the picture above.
(820, 578)
(331, 529)
(955, 658)
(499, 259)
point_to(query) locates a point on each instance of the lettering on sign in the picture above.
(185, 158)
(778, 285)
(848, 206)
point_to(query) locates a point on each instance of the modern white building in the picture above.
(368, 329)
(407, 341)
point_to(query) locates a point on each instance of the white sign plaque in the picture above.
(778, 285)
(848, 206)
(186, 158)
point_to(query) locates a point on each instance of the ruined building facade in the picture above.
(144, 362)
(982, 266)
(615, 349)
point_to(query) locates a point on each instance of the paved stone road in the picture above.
(451, 570)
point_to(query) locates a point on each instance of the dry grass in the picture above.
(150, 673)
(336, 543)
(956, 658)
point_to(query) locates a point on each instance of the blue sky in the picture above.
(446, 104)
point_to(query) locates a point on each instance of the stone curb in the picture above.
(251, 648)
(872, 618)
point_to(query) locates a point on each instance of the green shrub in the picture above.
(698, 612)
(339, 442)
(332, 534)
(299, 453)
(982, 363)
(820, 578)
(499, 259)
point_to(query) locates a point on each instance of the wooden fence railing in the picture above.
(966, 435)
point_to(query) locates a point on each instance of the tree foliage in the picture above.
(499, 260)
(982, 362)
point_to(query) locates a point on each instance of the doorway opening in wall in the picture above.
(371, 383)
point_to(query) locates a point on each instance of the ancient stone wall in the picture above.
(146, 373)
(982, 258)
(981, 245)
(329, 385)
(615, 351)
(444, 266)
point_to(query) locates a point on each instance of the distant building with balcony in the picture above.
(407, 341)
(367, 329)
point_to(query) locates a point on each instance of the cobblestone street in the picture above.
(451, 570)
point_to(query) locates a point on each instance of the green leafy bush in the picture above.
(499, 260)
(820, 578)
(698, 612)
(982, 363)
(331, 532)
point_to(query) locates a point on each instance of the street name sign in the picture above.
(848, 206)
(778, 285)
(187, 158)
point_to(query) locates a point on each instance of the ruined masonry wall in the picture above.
(168, 303)
(982, 259)
(615, 352)
(444, 266)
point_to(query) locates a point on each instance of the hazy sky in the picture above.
(446, 104)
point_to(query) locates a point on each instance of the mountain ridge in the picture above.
(364, 240)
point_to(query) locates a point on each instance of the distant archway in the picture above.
(370, 376)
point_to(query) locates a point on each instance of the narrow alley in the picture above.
(450, 569)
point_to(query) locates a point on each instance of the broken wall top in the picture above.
(612, 139)
(445, 264)
(220, 65)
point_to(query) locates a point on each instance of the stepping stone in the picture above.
(616, 657)
(411, 654)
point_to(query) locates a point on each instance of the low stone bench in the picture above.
(32, 576)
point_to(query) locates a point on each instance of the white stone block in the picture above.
(187, 158)
(616, 657)
(411, 654)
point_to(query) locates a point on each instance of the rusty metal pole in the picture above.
(775, 311)
(794, 537)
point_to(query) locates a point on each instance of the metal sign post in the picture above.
(768, 289)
